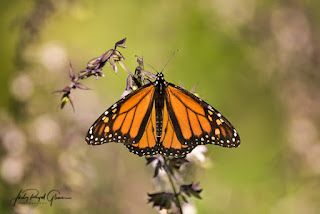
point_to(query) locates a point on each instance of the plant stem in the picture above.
(176, 194)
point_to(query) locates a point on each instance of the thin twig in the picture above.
(176, 194)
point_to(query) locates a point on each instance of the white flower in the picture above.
(188, 208)
(198, 155)
(162, 172)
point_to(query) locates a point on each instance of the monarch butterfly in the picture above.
(162, 118)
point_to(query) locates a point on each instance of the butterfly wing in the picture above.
(126, 120)
(147, 145)
(196, 122)
(187, 121)
(170, 144)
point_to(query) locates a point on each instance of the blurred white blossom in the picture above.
(46, 129)
(198, 155)
(302, 133)
(14, 140)
(53, 57)
(26, 209)
(291, 30)
(163, 211)
(12, 169)
(189, 208)
(234, 12)
(22, 87)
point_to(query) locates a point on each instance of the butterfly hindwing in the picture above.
(126, 120)
(170, 144)
(196, 122)
(147, 144)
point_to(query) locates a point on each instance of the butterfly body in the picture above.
(160, 84)
(162, 118)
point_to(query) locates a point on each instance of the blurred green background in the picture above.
(255, 61)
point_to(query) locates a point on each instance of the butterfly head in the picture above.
(160, 78)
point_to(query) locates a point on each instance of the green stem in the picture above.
(176, 194)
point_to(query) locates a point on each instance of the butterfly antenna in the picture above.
(153, 68)
(169, 60)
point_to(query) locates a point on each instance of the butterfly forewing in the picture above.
(125, 121)
(196, 122)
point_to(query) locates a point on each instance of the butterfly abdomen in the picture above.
(159, 104)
